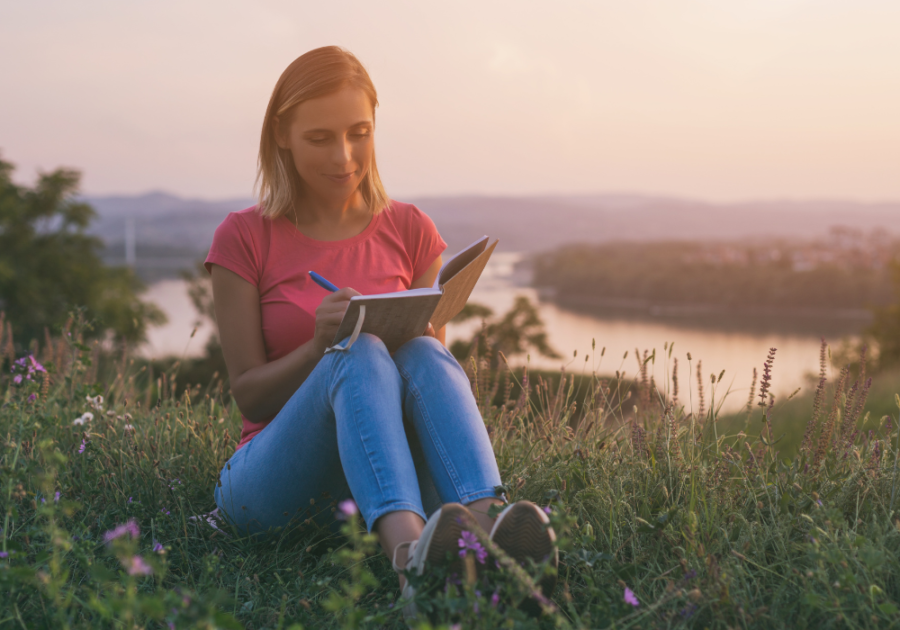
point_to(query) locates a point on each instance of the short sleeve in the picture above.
(234, 249)
(425, 243)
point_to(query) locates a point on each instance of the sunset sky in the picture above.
(713, 99)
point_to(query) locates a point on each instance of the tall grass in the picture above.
(704, 522)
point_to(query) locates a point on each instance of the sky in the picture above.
(712, 99)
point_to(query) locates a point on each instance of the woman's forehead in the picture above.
(349, 107)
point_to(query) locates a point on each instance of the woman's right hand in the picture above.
(329, 315)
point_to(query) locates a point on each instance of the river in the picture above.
(570, 333)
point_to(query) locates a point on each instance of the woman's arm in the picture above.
(261, 389)
(426, 280)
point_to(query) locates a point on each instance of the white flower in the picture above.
(87, 416)
(96, 402)
(129, 427)
(110, 413)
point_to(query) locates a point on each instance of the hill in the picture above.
(171, 231)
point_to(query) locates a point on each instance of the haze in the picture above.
(704, 98)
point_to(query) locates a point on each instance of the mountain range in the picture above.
(172, 232)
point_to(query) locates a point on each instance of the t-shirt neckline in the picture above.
(291, 229)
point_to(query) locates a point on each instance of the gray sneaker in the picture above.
(440, 537)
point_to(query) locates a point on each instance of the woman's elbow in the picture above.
(243, 396)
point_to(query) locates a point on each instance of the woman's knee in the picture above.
(419, 348)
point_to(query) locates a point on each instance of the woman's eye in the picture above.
(318, 140)
(360, 136)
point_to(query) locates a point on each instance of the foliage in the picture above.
(665, 519)
(48, 264)
(519, 330)
(885, 328)
(692, 274)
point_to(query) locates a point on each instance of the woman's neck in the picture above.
(326, 221)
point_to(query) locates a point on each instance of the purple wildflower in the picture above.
(547, 509)
(157, 547)
(495, 599)
(348, 508)
(43, 500)
(165, 511)
(136, 566)
(630, 598)
(17, 379)
(130, 527)
(32, 398)
(56, 497)
(129, 499)
(35, 366)
(469, 541)
(83, 445)
(4, 554)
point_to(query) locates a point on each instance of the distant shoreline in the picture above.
(801, 321)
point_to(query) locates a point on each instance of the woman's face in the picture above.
(331, 141)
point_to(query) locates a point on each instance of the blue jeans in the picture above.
(399, 432)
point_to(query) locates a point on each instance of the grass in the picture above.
(706, 521)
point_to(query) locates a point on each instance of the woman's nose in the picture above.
(343, 151)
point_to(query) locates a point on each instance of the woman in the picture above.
(401, 434)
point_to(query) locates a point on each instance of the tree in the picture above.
(519, 330)
(49, 265)
(885, 327)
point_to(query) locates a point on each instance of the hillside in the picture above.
(171, 232)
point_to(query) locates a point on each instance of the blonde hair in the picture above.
(318, 73)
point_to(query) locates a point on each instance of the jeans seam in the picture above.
(439, 445)
(480, 494)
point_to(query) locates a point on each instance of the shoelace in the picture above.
(411, 545)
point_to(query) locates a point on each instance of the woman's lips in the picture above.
(340, 179)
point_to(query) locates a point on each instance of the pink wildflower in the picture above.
(136, 566)
(469, 542)
(631, 598)
(348, 508)
(131, 527)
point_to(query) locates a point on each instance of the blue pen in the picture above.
(322, 282)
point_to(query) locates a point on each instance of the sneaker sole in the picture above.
(454, 519)
(523, 531)
(442, 538)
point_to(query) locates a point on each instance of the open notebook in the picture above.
(397, 317)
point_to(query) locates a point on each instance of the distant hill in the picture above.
(172, 231)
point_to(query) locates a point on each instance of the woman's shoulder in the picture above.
(407, 216)
(248, 218)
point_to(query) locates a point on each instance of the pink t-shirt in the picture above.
(396, 248)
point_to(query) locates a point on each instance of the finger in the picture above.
(346, 293)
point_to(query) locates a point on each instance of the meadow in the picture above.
(668, 515)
